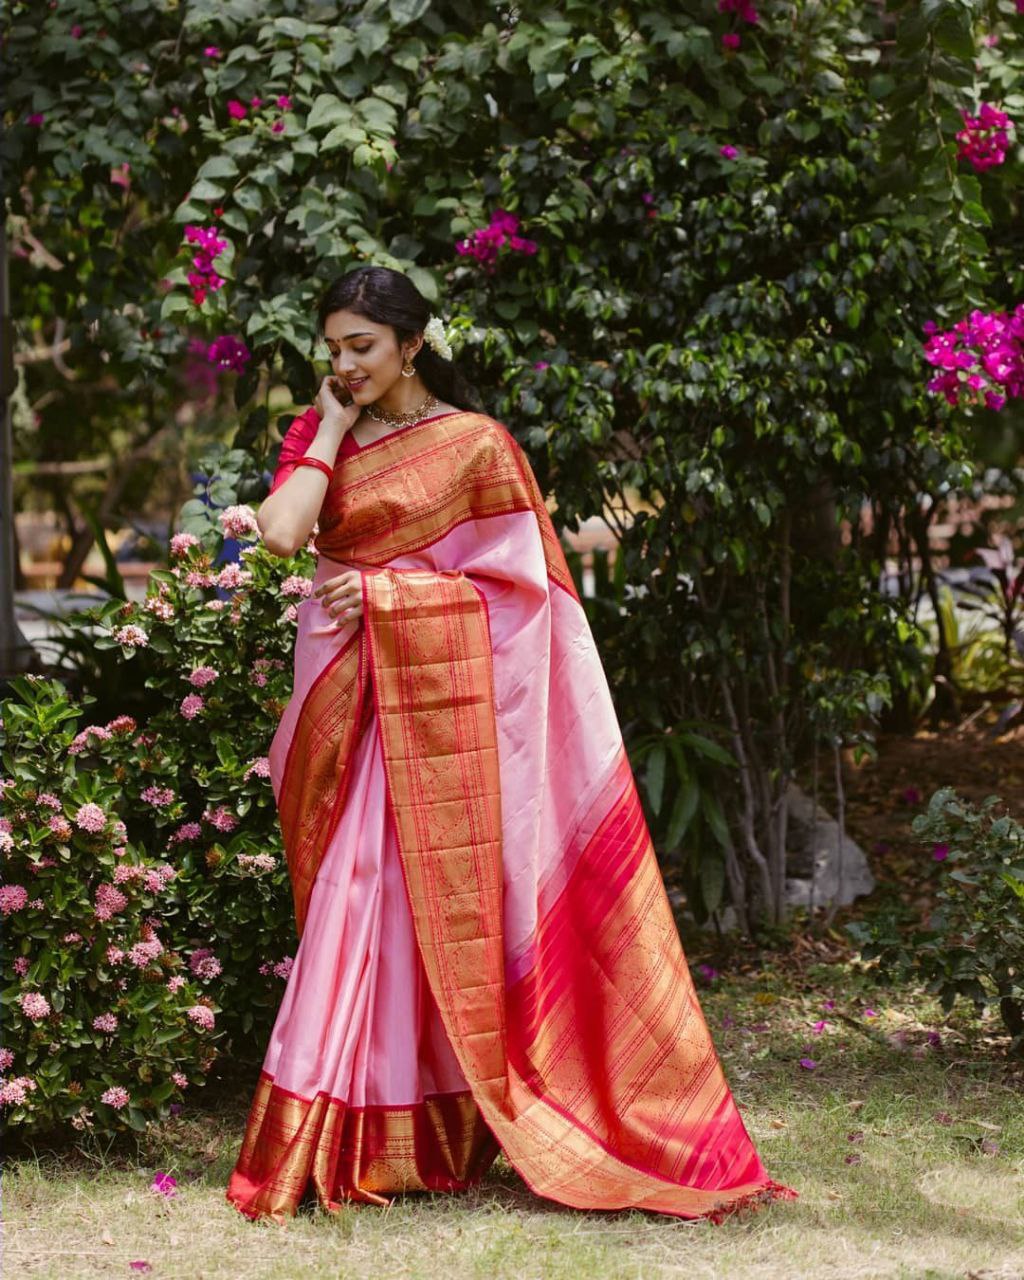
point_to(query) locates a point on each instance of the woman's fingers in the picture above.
(342, 596)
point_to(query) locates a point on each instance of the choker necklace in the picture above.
(403, 419)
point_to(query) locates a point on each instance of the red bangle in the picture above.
(306, 461)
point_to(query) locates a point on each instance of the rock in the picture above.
(815, 853)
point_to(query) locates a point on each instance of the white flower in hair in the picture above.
(434, 336)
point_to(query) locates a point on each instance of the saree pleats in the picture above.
(553, 986)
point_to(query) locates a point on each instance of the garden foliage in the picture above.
(687, 252)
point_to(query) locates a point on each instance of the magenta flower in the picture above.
(229, 353)
(131, 637)
(728, 152)
(255, 103)
(202, 676)
(76, 31)
(808, 1064)
(542, 364)
(486, 244)
(284, 102)
(731, 40)
(211, 51)
(940, 852)
(820, 1026)
(158, 797)
(984, 138)
(236, 109)
(744, 8)
(277, 126)
(870, 1013)
(910, 795)
(140, 1264)
(105, 1022)
(981, 358)
(116, 1097)
(181, 542)
(164, 1184)
(36, 118)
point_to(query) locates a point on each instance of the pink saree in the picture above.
(487, 956)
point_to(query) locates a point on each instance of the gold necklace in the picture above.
(403, 419)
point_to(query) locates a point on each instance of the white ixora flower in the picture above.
(434, 336)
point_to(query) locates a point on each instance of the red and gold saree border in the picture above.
(412, 488)
(359, 1154)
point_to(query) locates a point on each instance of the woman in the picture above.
(487, 955)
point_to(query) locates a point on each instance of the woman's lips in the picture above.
(355, 384)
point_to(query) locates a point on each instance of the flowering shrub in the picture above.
(972, 945)
(186, 882)
(204, 277)
(983, 352)
(984, 138)
(500, 235)
(105, 1025)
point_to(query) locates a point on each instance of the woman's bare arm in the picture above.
(286, 517)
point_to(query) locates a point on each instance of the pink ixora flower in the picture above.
(116, 1097)
(132, 637)
(238, 522)
(6, 1059)
(204, 964)
(12, 898)
(14, 1092)
(202, 1017)
(181, 542)
(21, 965)
(109, 901)
(34, 1005)
(220, 818)
(90, 817)
(233, 576)
(191, 706)
(180, 1079)
(106, 1022)
(175, 983)
(187, 831)
(158, 797)
(199, 677)
(296, 585)
(260, 767)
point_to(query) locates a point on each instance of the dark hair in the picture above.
(389, 297)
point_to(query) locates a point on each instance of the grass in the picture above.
(908, 1157)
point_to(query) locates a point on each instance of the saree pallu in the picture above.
(487, 957)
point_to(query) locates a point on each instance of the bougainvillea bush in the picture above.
(106, 1022)
(971, 945)
(186, 796)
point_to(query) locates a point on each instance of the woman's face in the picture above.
(366, 355)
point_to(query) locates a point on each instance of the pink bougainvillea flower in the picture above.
(984, 138)
(140, 1264)
(76, 31)
(728, 151)
(808, 1064)
(731, 40)
(36, 118)
(284, 102)
(541, 364)
(870, 1013)
(236, 110)
(255, 103)
(277, 127)
(820, 1026)
(229, 352)
(746, 10)
(940, 852)
(828, 1004)
(211, 51)
(164, 1184)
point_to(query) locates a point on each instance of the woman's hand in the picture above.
(342, 596)
(335, 405)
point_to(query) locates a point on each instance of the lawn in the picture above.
(905, 1140)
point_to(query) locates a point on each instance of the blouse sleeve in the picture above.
(297, 440)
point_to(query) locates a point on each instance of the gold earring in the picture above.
(408, 369)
